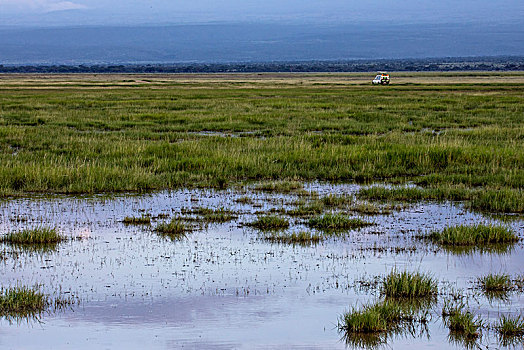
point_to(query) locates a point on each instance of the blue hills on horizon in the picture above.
(215, 43)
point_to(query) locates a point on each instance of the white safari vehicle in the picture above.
(381, 78)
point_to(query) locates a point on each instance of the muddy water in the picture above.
(223, 287)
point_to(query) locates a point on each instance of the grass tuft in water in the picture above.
(371, 318)
(493, 200)
(301, 238)
(133, 220)
(307, 209)
(336, 201)
(20, 302)
(510, 326)
(464, 235)
(495, 283)
(175, 229)
(372, 325)
(461, 322)
(244, 200)
(34, 236)
(270, 222)
(495, 286)
(336, 222)
(409, 285)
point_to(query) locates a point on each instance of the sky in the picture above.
(140, 12)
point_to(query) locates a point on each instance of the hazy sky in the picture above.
(86, 12)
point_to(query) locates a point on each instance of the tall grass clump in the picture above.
(270, 222)
(510, 326)
(501, 201)
(465, 235)
(495, 283)
(461, 322)
(300, 238)
(175, 229)
(369, 209)
(133, 220)
(506, 200)
(34, 236)
(409, 285)
(333, 200)
(336, 222)
(307, 209)
(371, 318)
(21, 302)
(372, 324)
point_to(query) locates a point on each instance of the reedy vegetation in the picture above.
(300, 238)
(134, 220)
(336, 222)
(84, 138)
(371, 325)
(464, 327)
(409, 285)
(464, 235)
(495, 283)
(175, 229)
(214, 215)
(34, 236)
(21, 302)
(508, 326)
(270, 222)
(499, 200)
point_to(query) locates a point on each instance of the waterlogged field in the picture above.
(262, 211)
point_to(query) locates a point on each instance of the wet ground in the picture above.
(223, 286)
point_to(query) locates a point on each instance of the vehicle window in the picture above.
(377, 77)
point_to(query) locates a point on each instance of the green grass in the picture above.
(492, 200)
(307, 209)
(495, 283)
(175, 229)
(510, 326)
(409, 285)
(474, 235)
(333, 200)
(372, 318)
(87, 138)
(20, 302)
(368, 209)
(502, 200)
(244, 200)
(461, 322)
(300, 238)
(34, 236)
(371, 325)
(133, 220)
(336, 222)
(215, 215)
(270, 222)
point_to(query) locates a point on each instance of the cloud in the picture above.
(40, 5)
(64, 5)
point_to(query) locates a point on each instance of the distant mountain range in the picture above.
(233, 43)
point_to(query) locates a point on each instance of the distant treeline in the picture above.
(442, 64)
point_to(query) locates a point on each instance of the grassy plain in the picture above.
(98, 133)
